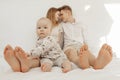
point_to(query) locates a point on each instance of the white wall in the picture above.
(18, 20)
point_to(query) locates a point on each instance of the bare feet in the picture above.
(24, 61)
(11, 58)
(46, 67)
(104, 57)
(84, 57)
(66, 66)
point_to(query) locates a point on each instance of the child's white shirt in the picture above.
(73, 33)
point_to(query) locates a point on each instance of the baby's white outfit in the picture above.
(49, 51)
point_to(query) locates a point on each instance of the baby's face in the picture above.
(43, 28)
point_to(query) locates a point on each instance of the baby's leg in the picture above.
(84, 57)
(26, 62)
(104, 57)
(46, 65)
(66, 66)
(11, 58)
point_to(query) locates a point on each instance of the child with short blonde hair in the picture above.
(48, 49)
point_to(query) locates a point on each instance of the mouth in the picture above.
(41, 33)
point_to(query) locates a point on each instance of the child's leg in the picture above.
(72, 55)
(66, 66)
(104, 57)
(46, 65)
(11, 58)
(26, 62)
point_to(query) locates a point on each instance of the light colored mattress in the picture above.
(110, 72)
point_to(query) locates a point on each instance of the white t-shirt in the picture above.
(73, 34)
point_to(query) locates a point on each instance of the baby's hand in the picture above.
(34, 53)
(46, 67)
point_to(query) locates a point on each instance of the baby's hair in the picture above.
(44, 19)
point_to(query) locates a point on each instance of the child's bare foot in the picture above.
(84, 57)
(66, 66)
(11, 58)
(46, 67)
(24, 61)
(104, 57)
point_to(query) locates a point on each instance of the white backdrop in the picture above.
(18, 21)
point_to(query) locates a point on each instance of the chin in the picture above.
(42, 36)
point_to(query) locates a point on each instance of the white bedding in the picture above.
(110, 72)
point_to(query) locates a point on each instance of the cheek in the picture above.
(48, 31)
(37, 31)
(56, 18)
(63, 17)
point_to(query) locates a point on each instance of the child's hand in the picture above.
(34, 52)
(46, 67)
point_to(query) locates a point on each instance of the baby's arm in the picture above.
(36, 52)
(45, 46)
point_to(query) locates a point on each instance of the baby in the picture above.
(47, 49)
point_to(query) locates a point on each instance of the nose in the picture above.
(41, 29)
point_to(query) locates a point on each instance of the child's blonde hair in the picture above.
(47, 21)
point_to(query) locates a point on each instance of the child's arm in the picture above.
(45, 46)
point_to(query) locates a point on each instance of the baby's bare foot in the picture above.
(104, 57)
(22, 56)
(46, 67)
(66, 66)
(11, 58)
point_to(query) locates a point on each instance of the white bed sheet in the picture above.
(110, 72)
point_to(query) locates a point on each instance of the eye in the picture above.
(60, 14)
(38, 27)
(45, 27)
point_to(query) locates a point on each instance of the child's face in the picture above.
(43, 28)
